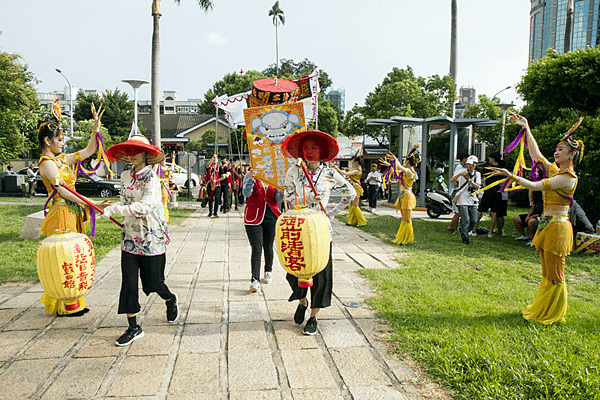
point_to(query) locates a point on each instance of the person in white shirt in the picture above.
(469, 181)
(374, 180)
(462, 158)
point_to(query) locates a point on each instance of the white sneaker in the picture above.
(523, 238)
(472, 233)
(254, 286)
(490, 234)
(268, 278)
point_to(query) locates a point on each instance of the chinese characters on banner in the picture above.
(266, 129)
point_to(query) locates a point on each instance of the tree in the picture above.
(17, 100)
(488, 108)
(154, 74)
(231, 84)
(278, 17)
(328, 119)
(292, 71)
(118, 116)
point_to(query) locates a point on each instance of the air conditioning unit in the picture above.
(479, 151)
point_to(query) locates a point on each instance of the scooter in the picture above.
(438, 202)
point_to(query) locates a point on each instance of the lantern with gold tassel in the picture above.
(66, 265)
(303, 243)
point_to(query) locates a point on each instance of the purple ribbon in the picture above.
(162, 180)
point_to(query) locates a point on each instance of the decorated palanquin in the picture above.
(66, 264)
(587, 243)
(302, 237)
(271, 91)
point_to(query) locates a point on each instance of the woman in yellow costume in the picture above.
(554, 237)
(406, 202)
(355, 215)
(65, 210)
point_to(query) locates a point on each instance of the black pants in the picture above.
(214, 199)
(320, 291)
(225, 192)
(261, 238)
(152, 274)
(373, 193)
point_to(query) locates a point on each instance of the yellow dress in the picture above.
(62, 214)
(406, 202)
(355, 215)
(553, 242)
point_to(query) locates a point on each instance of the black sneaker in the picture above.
(300, 313)
(311, 326)
(209, 215)
(130, 335)
(465, 241)
(172, 309)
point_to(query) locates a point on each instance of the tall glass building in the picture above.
(549, 23)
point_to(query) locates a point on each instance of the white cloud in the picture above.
(216, 38)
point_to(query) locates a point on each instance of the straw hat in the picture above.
(329, 146)
(134, 145)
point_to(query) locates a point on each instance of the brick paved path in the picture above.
(228, 343)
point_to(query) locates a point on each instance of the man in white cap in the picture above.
(469, 181)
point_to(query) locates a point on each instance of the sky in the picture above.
(97, 43)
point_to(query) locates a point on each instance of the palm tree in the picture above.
(277, 14)
(154, 96)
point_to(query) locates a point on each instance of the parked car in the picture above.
(96, 186)
(180, 176)
(39, 185)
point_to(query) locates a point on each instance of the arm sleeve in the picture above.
(247, 186)
(140, 208)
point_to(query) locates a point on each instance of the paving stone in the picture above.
(13, 341)
(246, 311)
(206, 293)
(251, 370)
(282, 310)
(157, 340)
(205, 313)
(102, 343)
(178, 280)
(139, 376)
(34, 318)
(366, 261)
(331, 312)
(376, 393)
(22, 378)
(112, 319)
(364, 311)
(53, 344)
(6, 314)
(195, 374)
(340, 333)
(290, 337)
(358, 367)
(80, 379)
(316, 394)
(276, 291)
(247, 336)
(302, 368)
(183, 267)
(255, 395)
(97, 298)
(81, 322)
(26, 298)
(4, 297)
(37, 288)
(200, 338)
(194, 396)
(239, 291)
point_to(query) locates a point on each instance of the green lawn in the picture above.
(456, 309)
(17, 256)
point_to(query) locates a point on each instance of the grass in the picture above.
(17, 256)
(457, 310)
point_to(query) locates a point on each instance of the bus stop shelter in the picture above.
(458, 125)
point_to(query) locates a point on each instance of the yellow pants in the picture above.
(355, 216)
(405, 233)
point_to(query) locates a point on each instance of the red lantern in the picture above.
(66, 265)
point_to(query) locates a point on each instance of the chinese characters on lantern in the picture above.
(80, 274)
(292, 246)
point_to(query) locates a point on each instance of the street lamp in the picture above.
(70, 100)
(506, 88)
(135, 84)
(504, 107)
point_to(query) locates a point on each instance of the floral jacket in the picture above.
(145, 231)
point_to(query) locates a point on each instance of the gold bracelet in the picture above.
(513, 177)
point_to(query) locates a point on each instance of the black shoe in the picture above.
(311, 326)
(299, 314)
(172, 309)
(209, 215)
(466, 242)
(75, 314)
(130, 335)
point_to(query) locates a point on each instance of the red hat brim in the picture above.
(291, 146)
(122, 152)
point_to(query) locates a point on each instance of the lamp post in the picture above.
(504, 107)
(506, 88)
(70, 100)
(135, 84)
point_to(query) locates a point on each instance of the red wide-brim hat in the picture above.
(136, 144)
(291, 146)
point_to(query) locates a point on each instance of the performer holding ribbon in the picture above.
(355, 215)
(314, 146)
(65, 210)
(554, 237)
(406, 201)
